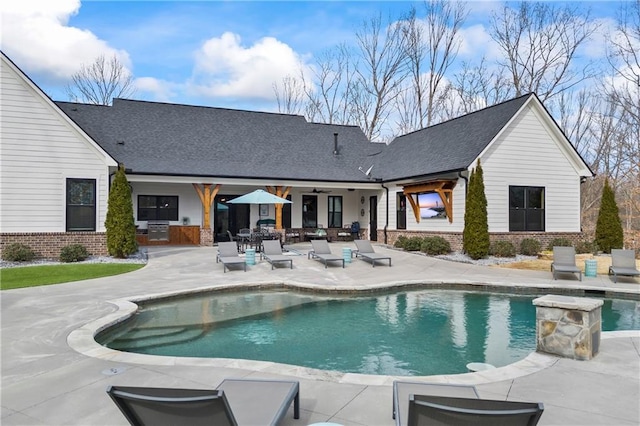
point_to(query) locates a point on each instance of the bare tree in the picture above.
(430, 45)
(380, 72)
(329, 90)
(100, 82)
(539, 41)
(290, 95)
(476, 87)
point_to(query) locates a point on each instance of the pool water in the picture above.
(413, 333)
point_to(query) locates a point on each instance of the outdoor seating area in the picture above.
(228, 255)
(564, 261)
(623, 262)
(233, 402)
(365, 251)
(322, 252)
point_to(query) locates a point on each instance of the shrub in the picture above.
(121, 229)
(17, 252)
(502, 248)
(434, 246)
(608, 227)
(475, 235)
(585, 246)
(413, 244)
(559, 242)
(73, 253)
(400, 242)
(530, 247)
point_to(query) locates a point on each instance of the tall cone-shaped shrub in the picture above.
(121, 229)
(475, 236)
(608, 227)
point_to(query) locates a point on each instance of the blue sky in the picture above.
(216, 53)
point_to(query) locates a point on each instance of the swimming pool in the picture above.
(411, 333)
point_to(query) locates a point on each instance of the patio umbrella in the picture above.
(259, 196)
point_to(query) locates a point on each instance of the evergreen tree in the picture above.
(608, 227)
(121, 229)
(475, 236)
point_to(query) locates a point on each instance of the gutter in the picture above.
(386, 224)
(466, 181)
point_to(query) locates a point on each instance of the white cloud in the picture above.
(159, 90)
(477, 42)
(36, 36)
(226, 68)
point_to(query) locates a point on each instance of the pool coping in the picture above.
(83, 340)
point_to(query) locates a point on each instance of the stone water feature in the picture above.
(569, 327)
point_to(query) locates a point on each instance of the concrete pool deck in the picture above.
(52, 373)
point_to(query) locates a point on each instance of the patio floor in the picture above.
(54, 374)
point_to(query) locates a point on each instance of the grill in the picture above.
(158, 230)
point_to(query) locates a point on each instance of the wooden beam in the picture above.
(207, 196)
(414, 206)
(444, 189)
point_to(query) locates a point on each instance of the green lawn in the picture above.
(30, 276)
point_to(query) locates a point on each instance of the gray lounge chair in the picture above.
(442, 410)
(365, 250)
(228, 255)
(272, 251)
(234, 402)
(623, 262)
(564, 260)
(403, 390)
(322, 252)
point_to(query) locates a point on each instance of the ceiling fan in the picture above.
(318, 191)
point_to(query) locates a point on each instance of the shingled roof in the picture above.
(449, 146)
(182, 140)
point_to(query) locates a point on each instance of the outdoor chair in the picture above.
(234, 402)
(228, 255)
(365, 250)
(236, 240)
(403, 390)
(322, 252)
(272, 252)
(443, 410)
(623, 262)
(564, 260)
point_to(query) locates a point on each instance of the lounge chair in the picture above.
(322, 252)
(564, 260)
(228, 255)
(272, 251)
(234, 402)
(365, 250)
(623, 262)
(442, 410)
(403, 390)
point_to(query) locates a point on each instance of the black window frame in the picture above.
(80, 208)
(170, 214)
(309, 211)
(334, 217)
(527, 211)
(401, 211)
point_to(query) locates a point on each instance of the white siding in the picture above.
(527, 154)
(39, 149)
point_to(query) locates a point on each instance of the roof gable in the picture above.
(452, 145)
(6, 62)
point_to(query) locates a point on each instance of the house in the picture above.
(185, 162)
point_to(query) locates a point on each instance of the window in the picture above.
(81, 205)
(526, 208)
(309, 211)
(335, 211)
(401, 211)
(157, 207)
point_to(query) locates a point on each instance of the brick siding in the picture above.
(48, 245)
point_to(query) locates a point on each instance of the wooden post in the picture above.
(278, 191)
(207, 196)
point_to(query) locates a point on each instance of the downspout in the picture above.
(466, 182)
(386, 224)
